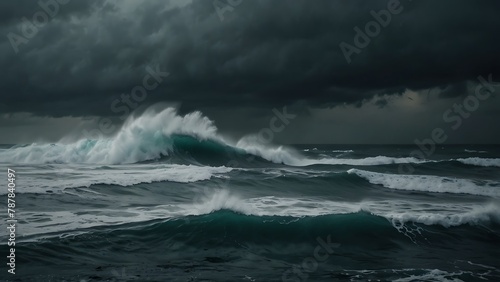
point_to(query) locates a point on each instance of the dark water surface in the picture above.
(207, 211)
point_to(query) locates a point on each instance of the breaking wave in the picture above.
(190, 139)
(430, 183)
(481, 161)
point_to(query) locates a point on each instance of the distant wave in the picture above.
(343, 151)
(332, 151)
(429, 183)
(481, 161)
(385, 160)
(474, 151)
(379, 160)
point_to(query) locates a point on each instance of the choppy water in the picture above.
(154, 204)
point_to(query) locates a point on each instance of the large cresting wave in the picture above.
(189, 139)
(167, 135)
(151, 136)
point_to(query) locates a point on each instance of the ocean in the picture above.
(176, 201)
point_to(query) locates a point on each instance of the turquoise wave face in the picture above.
(232, 229)
(225, 239)
(258, 218)
(190, 150)
(168, 199)
(213, 151)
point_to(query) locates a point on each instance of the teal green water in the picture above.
(207, 211)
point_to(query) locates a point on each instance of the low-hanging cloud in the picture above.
(261, 55)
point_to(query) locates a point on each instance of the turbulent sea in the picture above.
(170, 199)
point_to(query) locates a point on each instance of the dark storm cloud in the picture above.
(13, 11)
(263, 53)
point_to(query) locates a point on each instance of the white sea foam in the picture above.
(342, 151)
(481, 161)
(433, 275)
(60, 177)
(398, 212)
(289, 157)
(379, 160)
(429, 183)
(268, 205)
(141, 138)
(475, 151)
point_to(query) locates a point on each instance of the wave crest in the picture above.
(189, 139)
(481, 161)
(430, 183)
(154, 135)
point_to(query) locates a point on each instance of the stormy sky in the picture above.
(350, 71)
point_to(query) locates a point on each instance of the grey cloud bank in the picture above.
(248, 57)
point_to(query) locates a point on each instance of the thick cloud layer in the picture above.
(254, 53)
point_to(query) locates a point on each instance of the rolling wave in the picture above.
(165, 134)
(239, 227)
(153, 136)
(146, 137)
(395, 211)
(430, 183)
(189, 139)
(121, 176)
(222, 207)
(481, 162)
